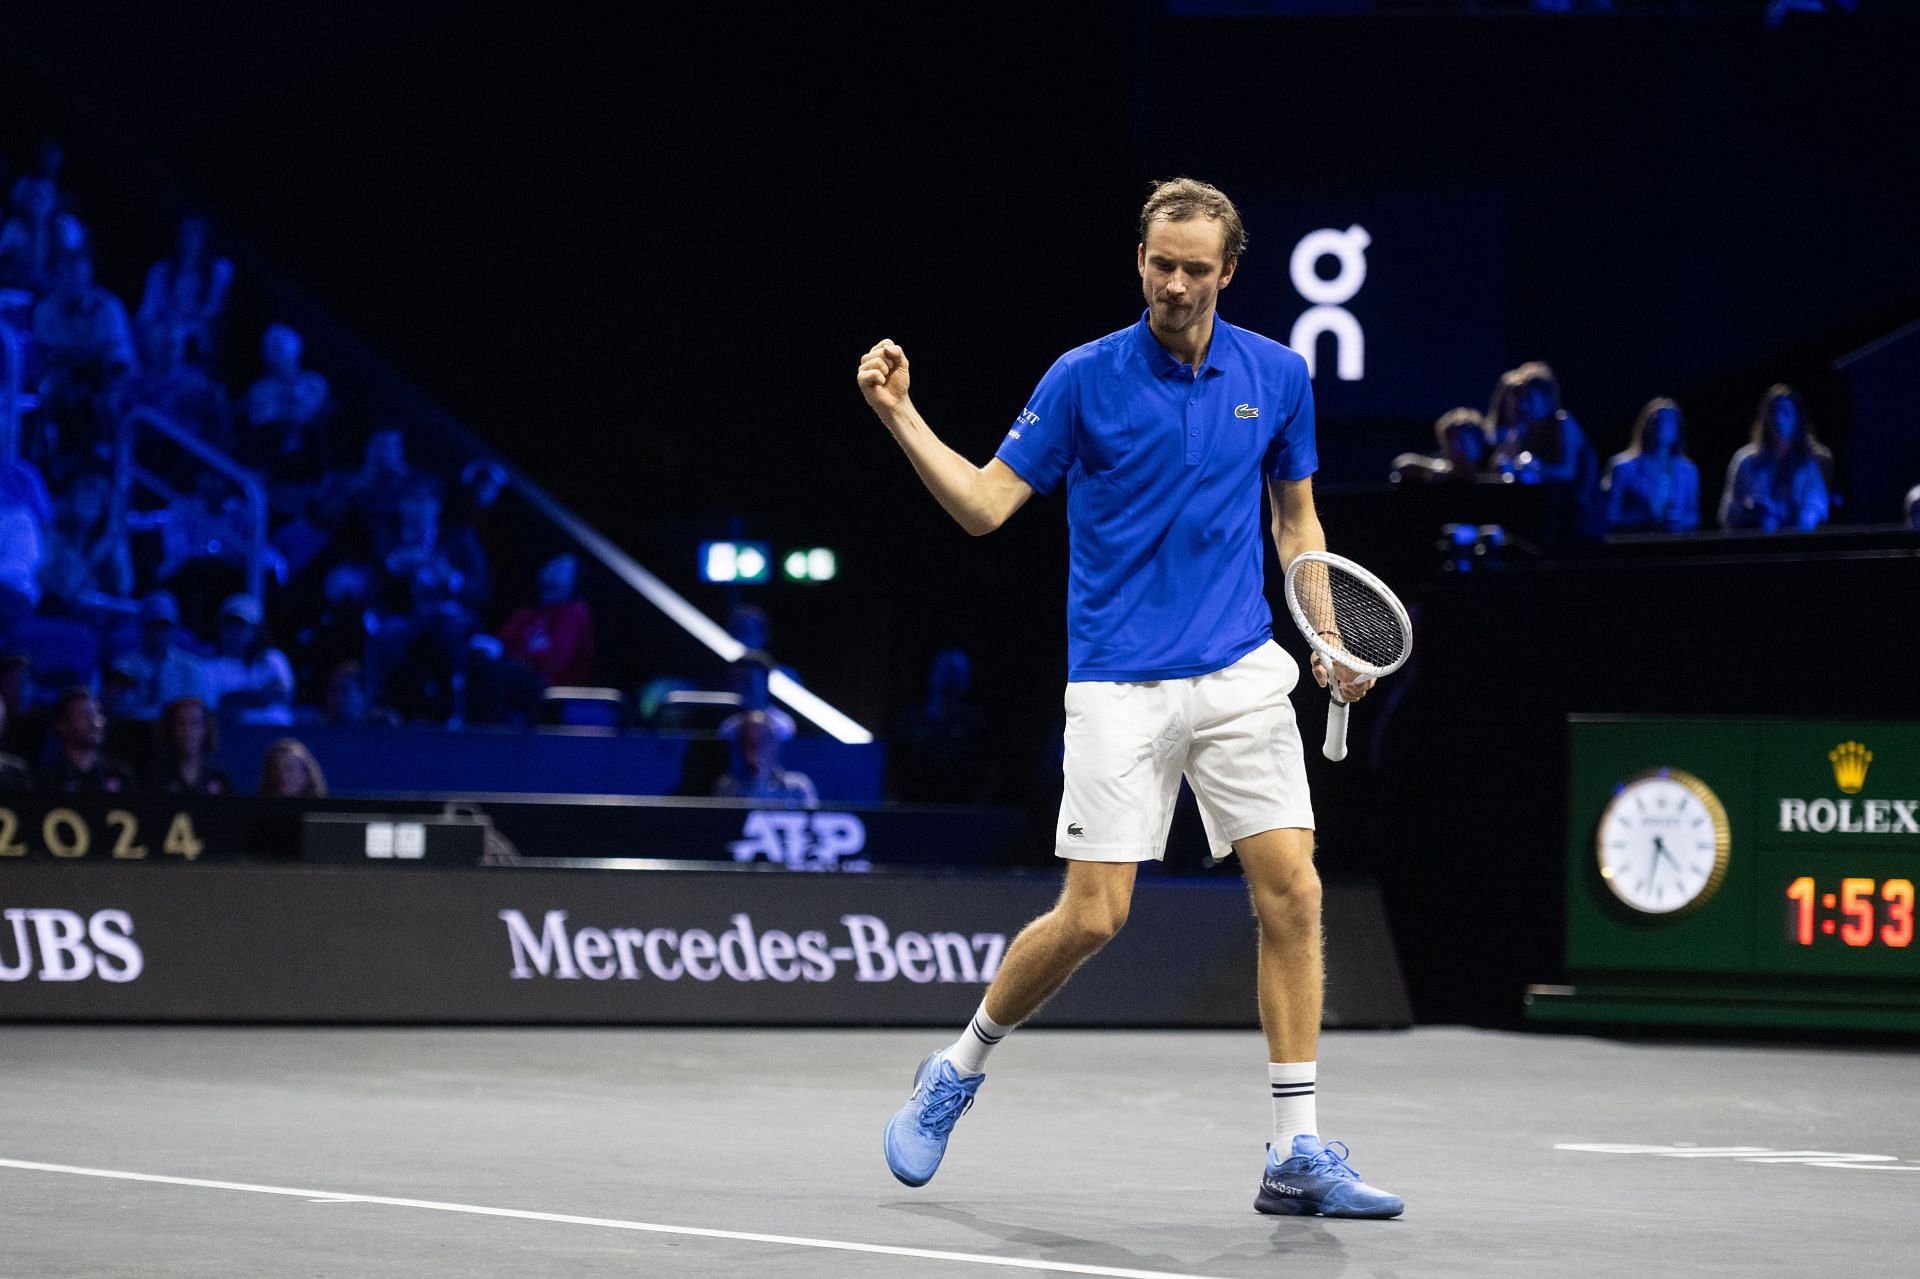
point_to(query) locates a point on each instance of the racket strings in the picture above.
(1350, 616)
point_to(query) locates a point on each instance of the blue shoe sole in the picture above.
(1306, 1208)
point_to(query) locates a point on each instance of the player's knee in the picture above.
(1095, 921)
(1290, 900)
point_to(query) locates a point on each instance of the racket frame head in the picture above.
(1317, 642)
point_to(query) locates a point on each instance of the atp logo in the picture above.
(803, 841)
(1329, 313)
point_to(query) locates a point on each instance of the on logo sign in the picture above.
(71, 947)
(1330, 297)
(802, 841)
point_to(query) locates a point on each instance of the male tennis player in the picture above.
(1164, 433)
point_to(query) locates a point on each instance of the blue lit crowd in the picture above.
(194, 528)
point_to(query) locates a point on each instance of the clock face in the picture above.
(1663, 842)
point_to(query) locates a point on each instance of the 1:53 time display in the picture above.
(1864, 912)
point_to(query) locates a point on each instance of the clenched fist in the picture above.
(883, 377)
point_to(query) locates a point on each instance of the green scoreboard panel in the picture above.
(1741, 872)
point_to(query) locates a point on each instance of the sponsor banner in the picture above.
(241, 943)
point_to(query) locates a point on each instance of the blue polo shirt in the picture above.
(1164, 468)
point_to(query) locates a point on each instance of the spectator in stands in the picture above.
(183, 763)
(26, 514)
(1775, 481)
(1539, 442)
(1464, 449)
(15, 777)
(75, 764)
(203, 528)
(1654, 486)
(554, 638)
(754, 771)
(482, 481)
(86, 554)
(187, 292)
(173, 388)
(16, 695)
(27, 234)
(288, 411)
(428, 595)
(160, 669)
(291, 770)
(365, 504)
(86, 346)
(936, 754)
(247, 672)
(344, 701)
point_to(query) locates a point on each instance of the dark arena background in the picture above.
(506, 766)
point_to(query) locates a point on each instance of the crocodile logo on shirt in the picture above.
(1074, 831)
(1246, 410)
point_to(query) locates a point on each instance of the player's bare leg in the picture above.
(1303, 1177)
(1092, 907)
(1286, 901)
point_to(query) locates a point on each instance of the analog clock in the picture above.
(1663, 843)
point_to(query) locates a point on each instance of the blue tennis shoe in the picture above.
(917, 1134)
(1318, 1181)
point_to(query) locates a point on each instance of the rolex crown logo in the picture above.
(1850, 760)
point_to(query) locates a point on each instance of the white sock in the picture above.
(1293, 1114)
(969, 1052)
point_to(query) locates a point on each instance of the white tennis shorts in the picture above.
(1231, 732)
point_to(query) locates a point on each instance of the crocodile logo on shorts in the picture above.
(1246, 410)
(1074, 831)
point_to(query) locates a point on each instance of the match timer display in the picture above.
(1741, 872)
(1864, 912)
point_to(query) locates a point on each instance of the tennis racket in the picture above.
(1350, 618)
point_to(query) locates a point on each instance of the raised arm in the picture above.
(980, 498)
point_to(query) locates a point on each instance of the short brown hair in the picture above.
(1183, 199)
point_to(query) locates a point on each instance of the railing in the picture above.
(250, 533)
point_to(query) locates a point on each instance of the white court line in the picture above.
(608, 1223)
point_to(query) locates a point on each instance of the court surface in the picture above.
(672, 1152)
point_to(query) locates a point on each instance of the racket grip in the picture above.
(1335, 747)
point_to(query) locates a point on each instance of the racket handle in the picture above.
(1335, 747)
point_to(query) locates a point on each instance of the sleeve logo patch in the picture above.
(1246, 410)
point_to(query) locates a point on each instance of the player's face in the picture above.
(1182, 269)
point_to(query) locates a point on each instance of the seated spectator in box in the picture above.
(160, 669)
(15, 777)
(344, 702)
(1539, 442)
(428, 595)
(754, 771)
(1464, 449)
(554, 639)
(187, 292)
(287, 414)
(1654, 486)
(26, 514)
(85, 554)
(86, 346)
(173, 388)
(292, 771)
(1776, 481)
(183, 760)
(246, 672)
(75, 764)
